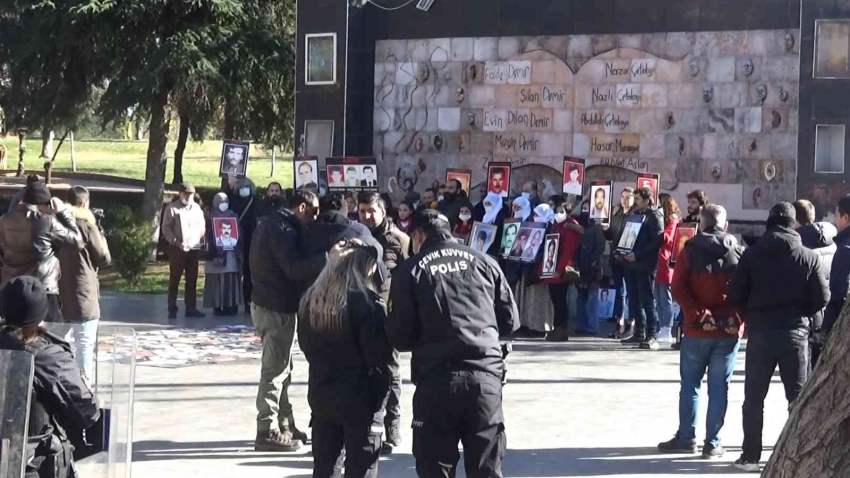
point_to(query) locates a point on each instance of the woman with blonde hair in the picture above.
(341, 332)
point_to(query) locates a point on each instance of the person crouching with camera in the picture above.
(341, 332)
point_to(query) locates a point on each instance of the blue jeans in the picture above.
(719, 357)
(620, 305)
(663, 305)
(588, 309)
(85, 341)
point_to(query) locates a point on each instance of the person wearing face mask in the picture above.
(492, 212)
(625, 326)
(184, 228)
(449, 304)
(530, 191)
(280, 272)
(532, 293)
(463, 223)
(30, 240)
(590, 274)
(246, 206)
(223, 267)
(569, 232)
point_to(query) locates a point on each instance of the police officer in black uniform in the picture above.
(449, 305)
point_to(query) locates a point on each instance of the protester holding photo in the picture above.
(568, 229)
(223, 266)
(531, 293)
(493, 214)
(591, 271)
(663, 298)
(613, 233)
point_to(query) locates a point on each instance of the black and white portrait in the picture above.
(234, 159)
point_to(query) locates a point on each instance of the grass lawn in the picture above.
(127, 159)
(154, 281)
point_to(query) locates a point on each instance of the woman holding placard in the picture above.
(569, 237)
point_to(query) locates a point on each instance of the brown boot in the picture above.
(296, 433)
(276, 440)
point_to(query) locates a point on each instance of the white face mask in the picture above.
(488, 207)
(245, 192)
(518, 215)
(538, 219)
(223, 206)
(560, 217)
(465, 217)
(185, 201)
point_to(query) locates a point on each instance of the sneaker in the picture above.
(558, 335)
(710, 451)
(665, 335)
(676, 446)
(386, 449)
(650, 343)
(275, 440)
(393, 435)
(633, 340)
(195, 314)
(745, 465)
(296, 433)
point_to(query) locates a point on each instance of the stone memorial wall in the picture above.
(714, 109)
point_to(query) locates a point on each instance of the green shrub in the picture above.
(130, 238)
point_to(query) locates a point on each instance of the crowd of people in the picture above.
(357, 281)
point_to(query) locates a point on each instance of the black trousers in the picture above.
(392, 404)
(361, 441)
(54, 309)
(452, 407)
(765, 350)
(558, 295)
(639, 287)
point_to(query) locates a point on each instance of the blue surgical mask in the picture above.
(223, 206)
(526, 195)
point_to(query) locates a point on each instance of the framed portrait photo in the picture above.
(320, 58)
(528, 242)
(234, 158)
(460, 239)
(651, 181)
(306, 169)
(499, 178)
(573, 176)
(684, 232)
(605, 306)
(600, 201)
(631, 230)
(482, 236)
(352, 174)
(551, 250)
(226, 230)
(510, 231)
(464, 176)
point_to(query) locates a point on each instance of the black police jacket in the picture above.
(349, 368)
(448, 305)
(62, 402)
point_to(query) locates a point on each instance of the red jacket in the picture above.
(569, 244)
(703, 271)
(665, 270)
(463, 228)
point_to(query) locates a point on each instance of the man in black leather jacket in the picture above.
(30, 239)
(449, 304)
(280, 269)
(62, 401)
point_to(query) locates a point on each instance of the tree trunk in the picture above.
(46, 143)
(816, 437)
(22, 150)
(157, 155)
(274, 160)
(182, 138)
(73, 154)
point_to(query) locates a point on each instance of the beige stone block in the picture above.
(721, 70)
(407, 72)
(382, 120)
(506, 96)
(496, 73)
(629, 42)
(617, 71)
(629, 95)
(495, 120)
(449, 119)
(646, 120)
(581, 145)
(709, 146)
(563, 121)
(643, 70)
(519, 72)
(616, 121)
(581, 46)
(748, 120)
(441, 95)
(783, 146)
(781, 68)
(667, 71)
(680, 44)
(482, 96)
(592, 72)
(684, 95)
(620, 145)
(481, 143)
(543, 72)
(417, 50)
(652, 146)
(529, 96)
(517, 120)
(729, 42)
(509, 47)
(694, 69)
(563, 74)
(556, 96)
(486, 49)
(589, 120)
(731, 95)
(654, 95)
(462, 49)
(706, 44)
(551, 144)
(601, 96)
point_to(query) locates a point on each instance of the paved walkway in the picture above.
(586, 408)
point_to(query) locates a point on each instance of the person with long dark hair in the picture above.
(664, 277)
(341, 333)
(570, 234)
(404, 219)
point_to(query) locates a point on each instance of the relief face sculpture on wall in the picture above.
(689, 108)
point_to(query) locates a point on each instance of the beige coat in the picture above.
(180, 221)
(79, 289)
